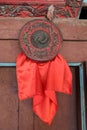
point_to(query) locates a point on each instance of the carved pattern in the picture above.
(69, 9)
(40, 40)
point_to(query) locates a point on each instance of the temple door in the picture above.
(18, 115)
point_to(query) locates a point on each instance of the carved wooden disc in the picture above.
(40, 40)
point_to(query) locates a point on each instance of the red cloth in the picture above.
(40, 81)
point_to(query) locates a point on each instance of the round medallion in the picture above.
(40, 40)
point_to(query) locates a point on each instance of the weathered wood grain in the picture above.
(25, 115)
(8, 99)
(76, 51)
(71, 29)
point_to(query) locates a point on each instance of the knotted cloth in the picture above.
(41, 81)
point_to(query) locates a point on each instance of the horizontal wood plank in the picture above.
(84, 4)
(71, 29)
(32, 1)
(76, 51)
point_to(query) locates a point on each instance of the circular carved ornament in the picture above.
(40, 40)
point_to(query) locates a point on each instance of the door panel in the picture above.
(18, 115)
(68, 115)
(26, 119)
(8, 99)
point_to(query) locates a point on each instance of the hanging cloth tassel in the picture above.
(41, 81)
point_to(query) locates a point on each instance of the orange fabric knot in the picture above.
(40, 81)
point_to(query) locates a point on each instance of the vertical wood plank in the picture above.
(8, 99)
(25, 115)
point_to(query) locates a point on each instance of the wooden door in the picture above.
(18, 115)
